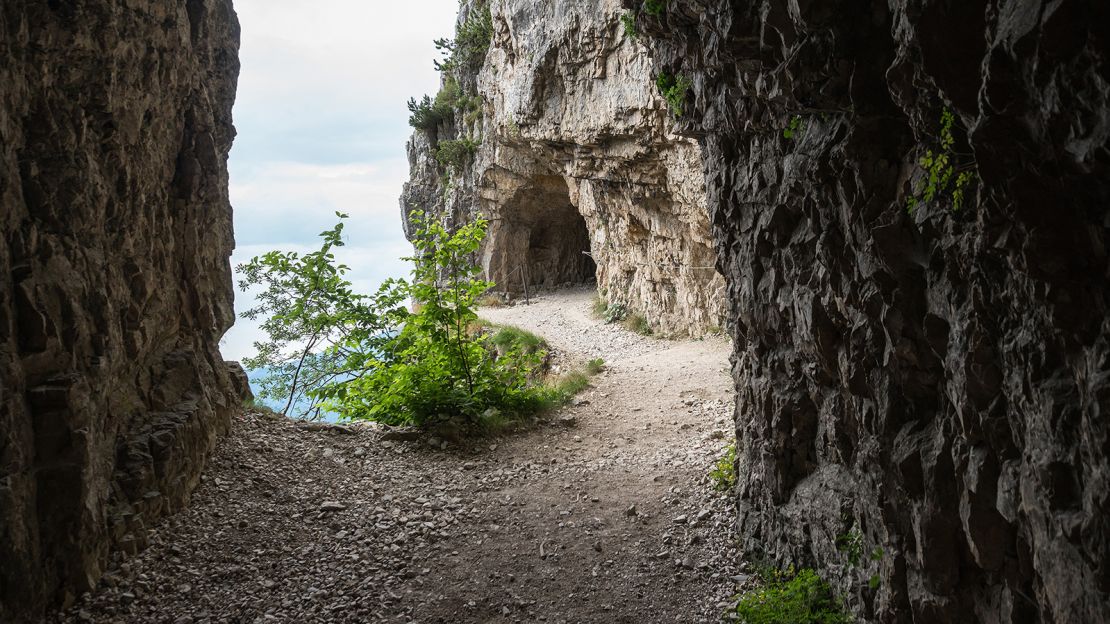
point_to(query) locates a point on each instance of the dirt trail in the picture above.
(604, 515)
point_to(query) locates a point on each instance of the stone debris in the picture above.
(314, 525)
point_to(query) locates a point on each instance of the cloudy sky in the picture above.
(322, 126)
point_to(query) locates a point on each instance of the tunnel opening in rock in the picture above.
(541, 240)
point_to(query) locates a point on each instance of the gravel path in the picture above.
(603, 514)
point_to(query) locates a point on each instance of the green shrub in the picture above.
(723, 472)
(615, 312)
(595, 366)
(794, 128)
(428, 114)
(655, 7)
(795, 598)
(851, 544)
(424, 114)
(628, 20)
(455, 152)
(674, 90)
(369, 357)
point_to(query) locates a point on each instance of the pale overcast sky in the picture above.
(322, 126)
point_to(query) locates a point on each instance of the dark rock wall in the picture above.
(935, 382)
(115, 284)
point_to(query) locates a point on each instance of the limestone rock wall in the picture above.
(577, 155)
(115, 284)
(927, 389)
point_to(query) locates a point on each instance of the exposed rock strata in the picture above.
(577, 156)
(115, 285)
(938, 382)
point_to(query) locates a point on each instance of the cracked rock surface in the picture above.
(935, 381)
(115, 285)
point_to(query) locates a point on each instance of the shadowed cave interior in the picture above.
(541, 240)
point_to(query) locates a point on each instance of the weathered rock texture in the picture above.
(577, 155)
(115, 285)
(938, 382)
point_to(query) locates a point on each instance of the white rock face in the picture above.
(578, 171)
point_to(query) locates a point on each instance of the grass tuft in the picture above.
(508, 338)
(599, 307)
(800, 597)
(638, 323)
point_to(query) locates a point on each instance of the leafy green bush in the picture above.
(723, 472)
(455, 152)
(595, 366)
(674, 90)
(369, 357)
(795, 598)
(471, 43)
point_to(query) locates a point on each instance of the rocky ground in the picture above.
(602, 514)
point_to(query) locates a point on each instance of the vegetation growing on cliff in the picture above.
(426, 114)
(472, 40)
(798, 597)
(723, 474)
(370, 357)
(947, 173)
(467, 51)
(674, 89)
(455, 152)
(655, 7)
(628, 21)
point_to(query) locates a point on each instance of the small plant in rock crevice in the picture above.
(723, 474)
(599, 306)
(851, 544)
(791, 596)
(638, 323)
(794, 129)
(674, 90)
(615, 312)
(628, 21)
(655, 7)
(947, 173)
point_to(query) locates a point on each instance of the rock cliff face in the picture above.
(576, 158)
(925, 384)
(115, 285)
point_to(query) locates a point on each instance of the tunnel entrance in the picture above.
(541, 240)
